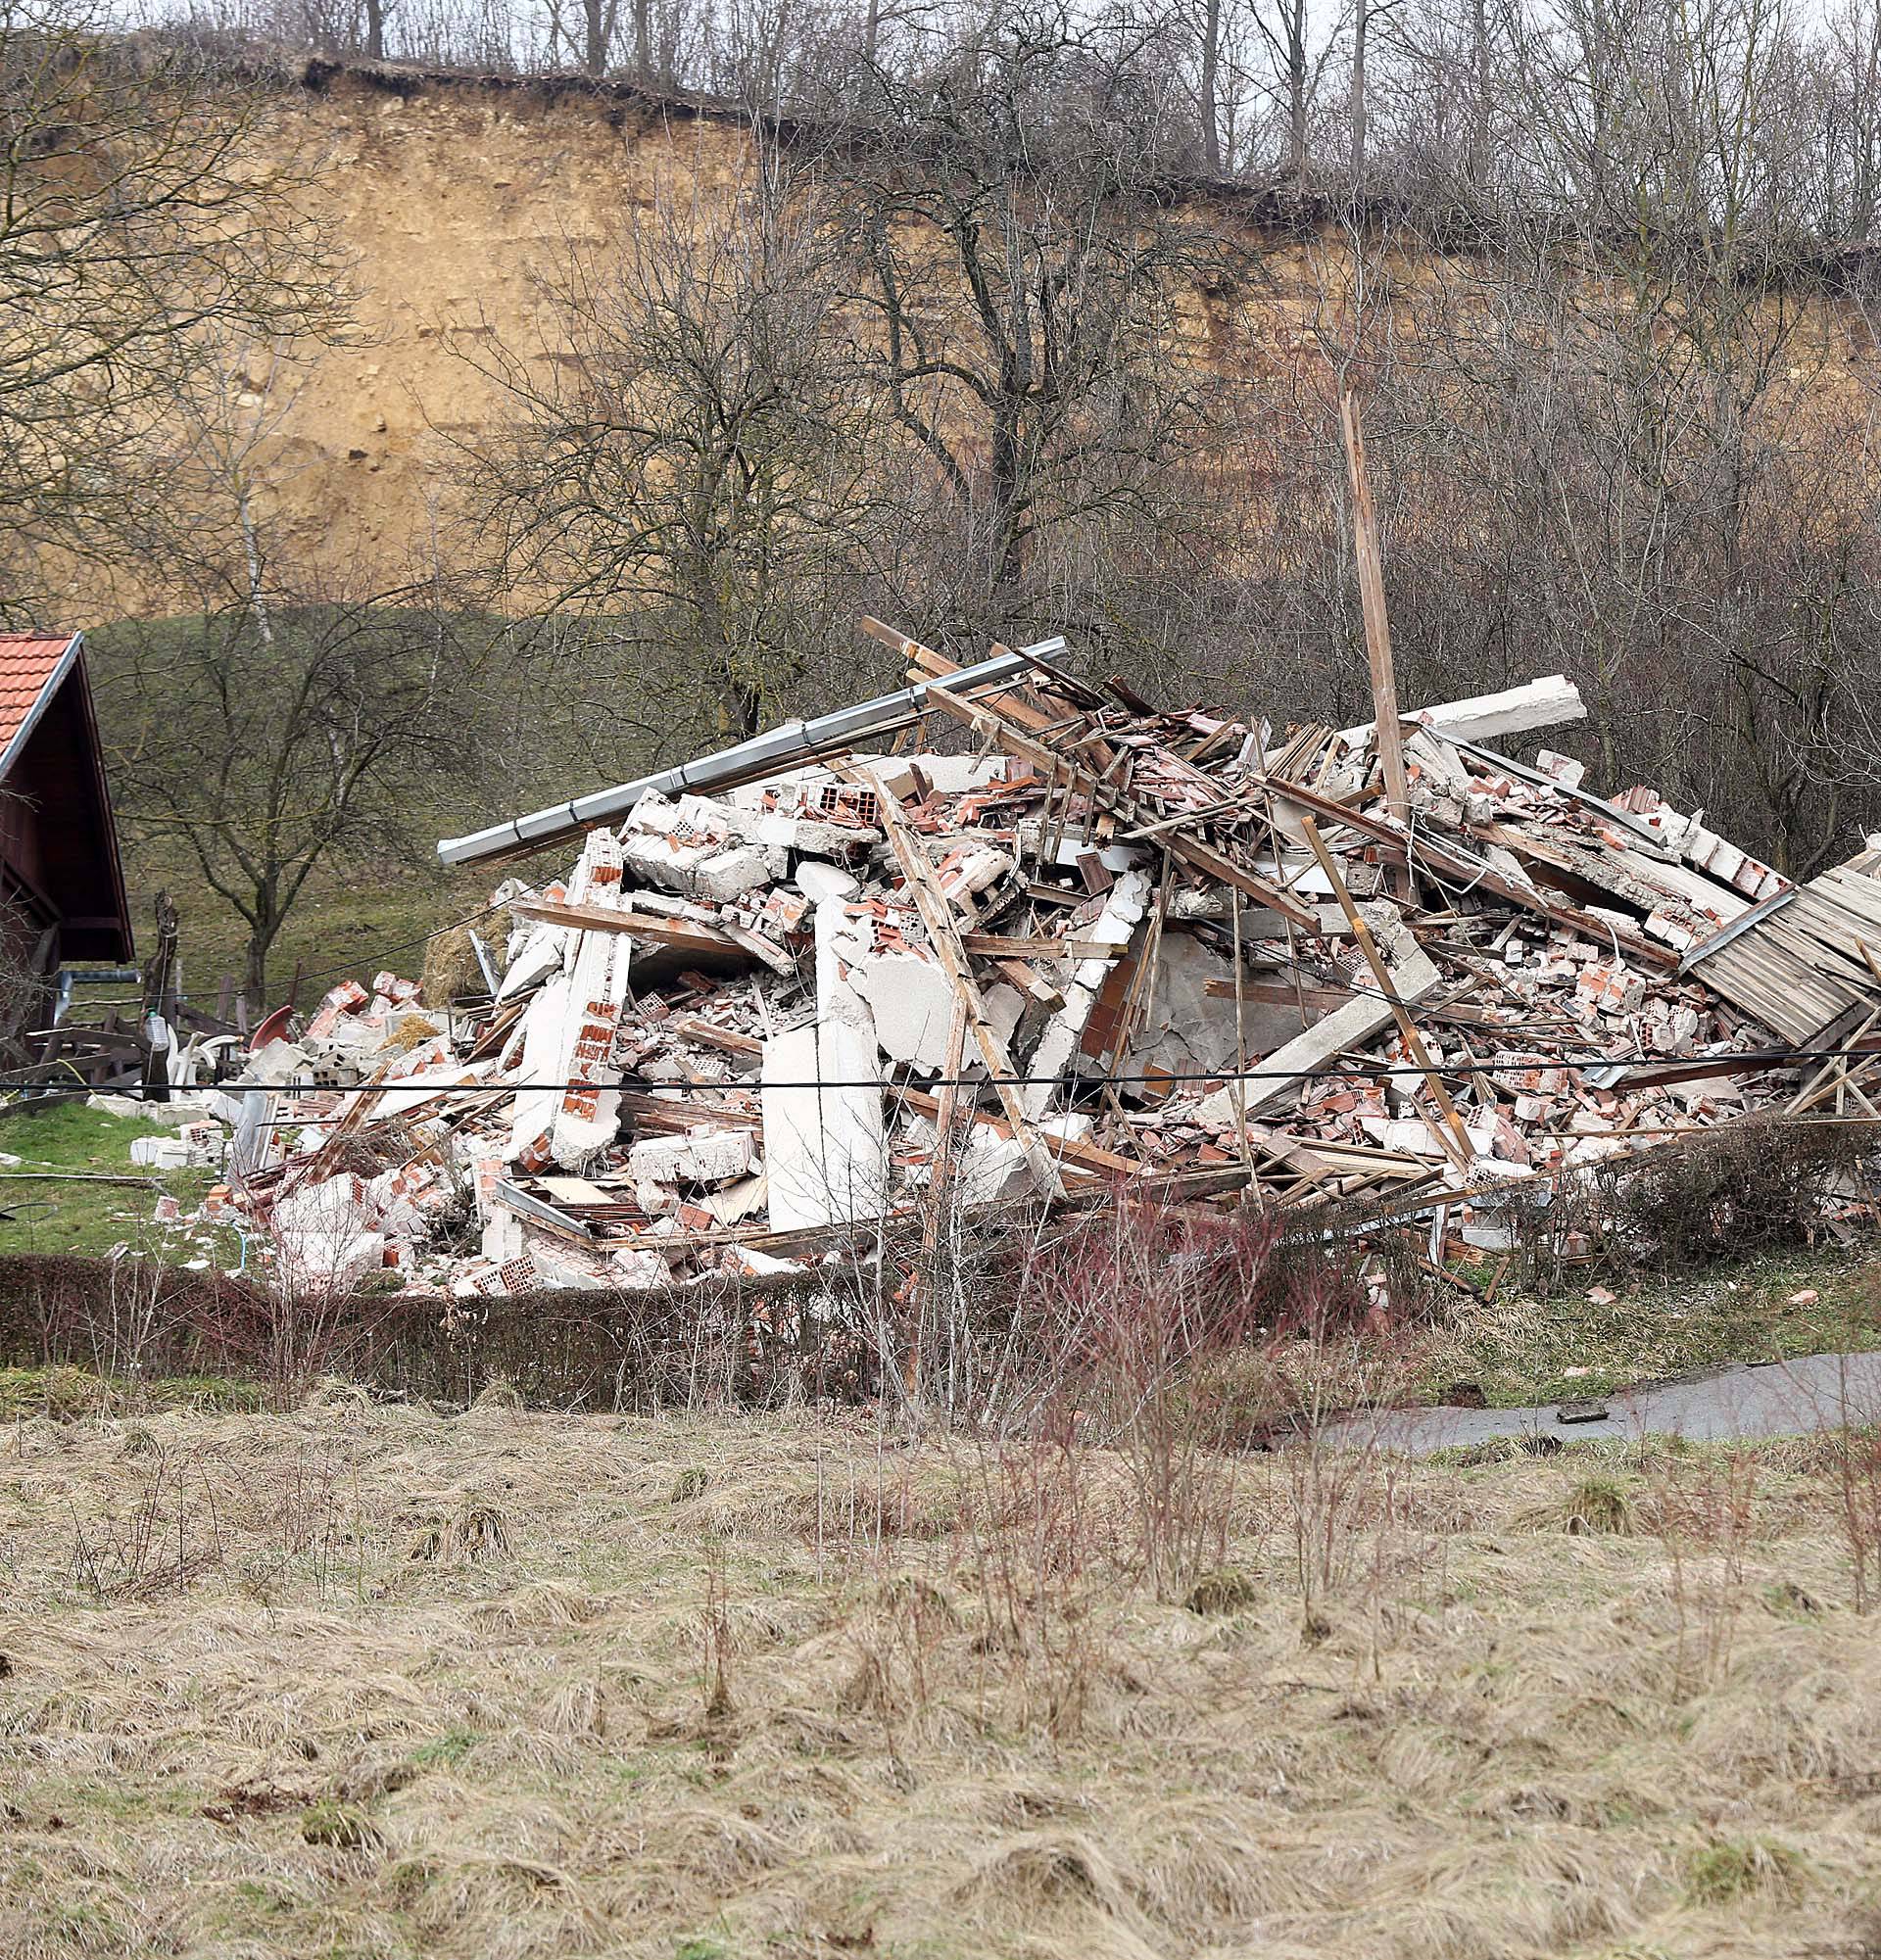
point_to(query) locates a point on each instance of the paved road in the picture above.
(1777, 1399)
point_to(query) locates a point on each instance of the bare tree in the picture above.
(1297, 55)
(1020, 278)
(687, 464)
(266, 760)
(587, 32)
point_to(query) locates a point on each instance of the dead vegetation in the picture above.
(369, 1680)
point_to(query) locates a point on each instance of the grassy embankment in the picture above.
(381, 1682)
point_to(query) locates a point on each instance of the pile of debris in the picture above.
(795, 990)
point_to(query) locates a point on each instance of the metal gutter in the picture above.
(761, 755)
(1743, 923)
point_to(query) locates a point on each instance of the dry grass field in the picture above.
(366, 1680)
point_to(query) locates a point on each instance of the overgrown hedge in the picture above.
(749, 1342)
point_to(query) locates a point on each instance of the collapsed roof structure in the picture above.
(795, 990)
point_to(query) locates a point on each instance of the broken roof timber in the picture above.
(763, 755)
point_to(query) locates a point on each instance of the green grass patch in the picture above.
(447, 1750)
(1731, 1869)
(67, 1393)
(51, 1213)
(1526, 1350)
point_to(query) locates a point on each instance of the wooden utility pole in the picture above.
(1378, 633)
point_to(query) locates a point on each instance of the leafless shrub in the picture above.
(1702, 1508)
(1746, 1187)
(170, 1533)
(122, 1335)
(1852, 1450)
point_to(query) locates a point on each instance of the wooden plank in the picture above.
(1853, 891)
(1835, 1073)
(1272, 993)
(930, 665)
(681, 934)
(1836, 972)
(1029, 982)
(674, 1119)
(1388, 730)
(708, 1034)
(1007, 946)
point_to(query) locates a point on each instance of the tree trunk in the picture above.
(1361, 30)
(1477, 162)
(595, 28)
(1211, 86)
(1007, 555)
(263, 927)
(644, 40)
(1296, 89)
(375, 31)
(1867, 100)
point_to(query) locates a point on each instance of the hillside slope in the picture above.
(452, 194)
(449, 201)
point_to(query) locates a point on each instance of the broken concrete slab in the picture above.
(848, 1068)
(792, 1122)
(700, 1157)
(1547, 702)
(911, 1000)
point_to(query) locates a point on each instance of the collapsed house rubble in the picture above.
(831, 986)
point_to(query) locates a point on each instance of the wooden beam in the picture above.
(1389, 734)
(708, 1034)
(680, 933)
(1003, 947)
(652, 1112)
(1274, 993)
(927, 665)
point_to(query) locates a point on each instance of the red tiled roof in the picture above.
(28, 662)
